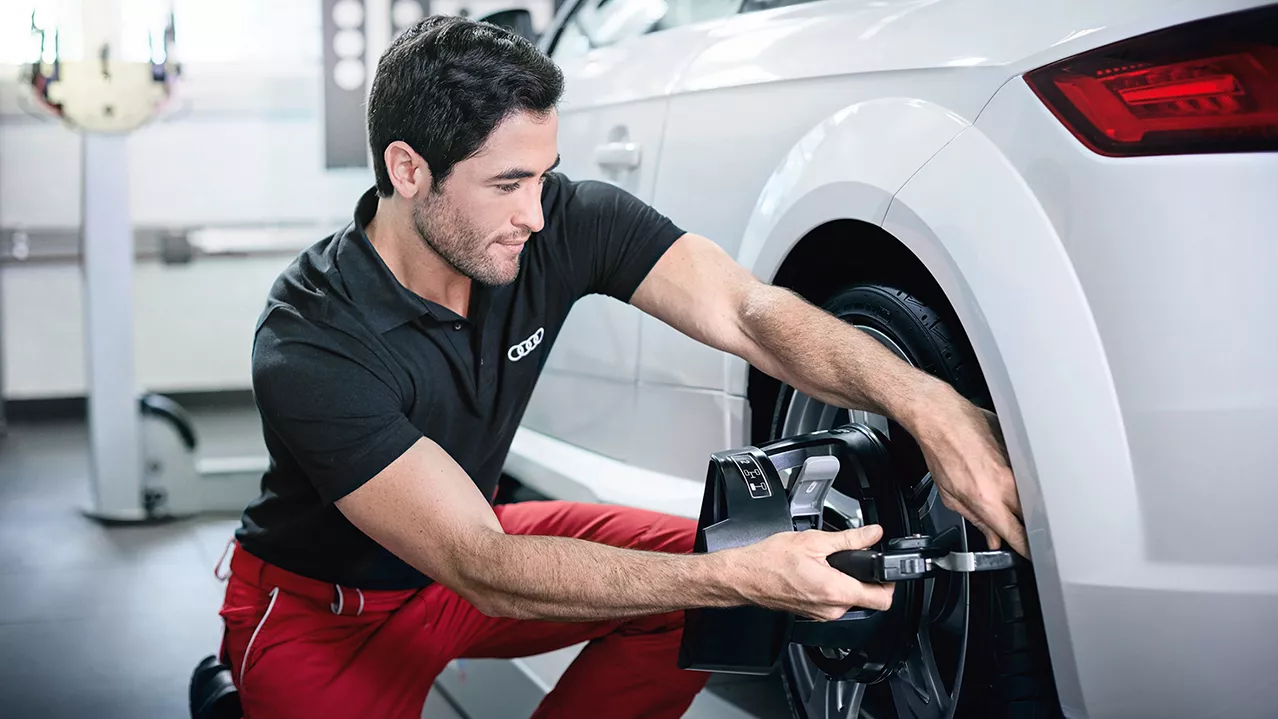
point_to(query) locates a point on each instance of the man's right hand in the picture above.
(789, 572)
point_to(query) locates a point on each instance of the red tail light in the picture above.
(1208, 86)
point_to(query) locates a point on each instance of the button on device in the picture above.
(456, 325)
(913, 565)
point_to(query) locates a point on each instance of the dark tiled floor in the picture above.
(95, 621)
(100, 621)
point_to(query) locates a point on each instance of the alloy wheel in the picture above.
(926, 684)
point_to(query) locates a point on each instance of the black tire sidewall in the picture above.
(928, 336)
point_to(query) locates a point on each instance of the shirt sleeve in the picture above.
(322, 394)
(614, 238)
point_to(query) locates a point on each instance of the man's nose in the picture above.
(530, 216)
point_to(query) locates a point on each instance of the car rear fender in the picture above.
(848, 166)
(984, 236)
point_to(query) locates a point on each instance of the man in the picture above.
(389, 394)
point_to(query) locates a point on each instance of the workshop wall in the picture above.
(240, 153)
(224, 191)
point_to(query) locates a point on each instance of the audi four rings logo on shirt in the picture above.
(523, 349)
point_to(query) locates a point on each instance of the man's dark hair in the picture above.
(445, 83)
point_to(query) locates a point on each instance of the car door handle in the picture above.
(620, 155)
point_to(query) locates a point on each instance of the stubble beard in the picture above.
(460, 243)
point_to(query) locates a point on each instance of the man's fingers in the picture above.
(866, 596)
(1019, 541)
(1011, 499)
(1005, 525)
(996, 429)
(859, 538)
(878, 596)
(992, 539)
(1015, 508)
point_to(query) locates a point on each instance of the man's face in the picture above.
(485, 211)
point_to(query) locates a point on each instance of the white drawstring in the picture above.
(217, 568)
(275, 593)
(361, 601)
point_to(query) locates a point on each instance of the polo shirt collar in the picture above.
(371, 285)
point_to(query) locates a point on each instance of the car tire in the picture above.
(1007, 670)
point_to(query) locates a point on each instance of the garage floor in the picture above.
(109, 621)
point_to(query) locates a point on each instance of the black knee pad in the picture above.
(213, 693)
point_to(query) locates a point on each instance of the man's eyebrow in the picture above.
(519, 173)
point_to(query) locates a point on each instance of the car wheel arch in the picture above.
(827, 258)
(920, 258)
(840, 252)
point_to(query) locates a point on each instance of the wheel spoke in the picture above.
(917, 688)
(828, 413)
(817, 705)
(833, 699)
(931, 674)
(822, 697)
(803, 667)
(846, 508)
(951, 628)
(850, 696)
(876, 421)
(911, 702)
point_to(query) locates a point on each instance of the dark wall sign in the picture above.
(348, 67)
(345, 83)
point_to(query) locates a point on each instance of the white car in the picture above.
(1069, 210)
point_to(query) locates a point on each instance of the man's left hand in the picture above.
(964, 448)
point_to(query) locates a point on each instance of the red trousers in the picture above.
(299, 647)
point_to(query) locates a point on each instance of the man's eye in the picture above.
(508, 188)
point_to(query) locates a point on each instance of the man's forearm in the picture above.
(829, 359)
(558, 578)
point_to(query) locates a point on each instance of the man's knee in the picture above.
(669, 533)
(607, 524)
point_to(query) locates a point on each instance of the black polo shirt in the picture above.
(350, 368)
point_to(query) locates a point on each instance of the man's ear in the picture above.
(408, 172)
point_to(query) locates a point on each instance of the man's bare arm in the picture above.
(427, 511)
(701, 291)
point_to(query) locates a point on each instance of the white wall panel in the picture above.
(193, 325)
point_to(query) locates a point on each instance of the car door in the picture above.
(785, 65)
(620, 58)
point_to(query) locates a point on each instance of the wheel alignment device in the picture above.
(746, 500)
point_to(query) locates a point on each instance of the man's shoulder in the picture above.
(563, 193)
(308, 311)
(292, 343)
(603, 239)
(307, 290)
(591, 209)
